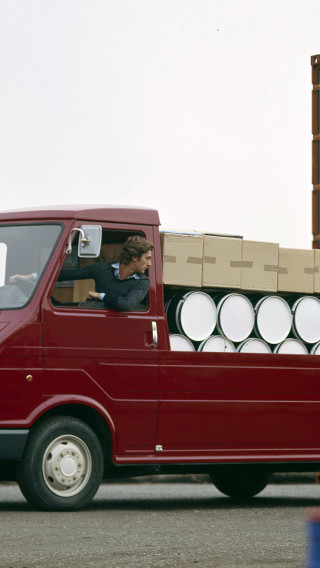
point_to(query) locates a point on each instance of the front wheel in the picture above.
(62, 465)
(240, 482)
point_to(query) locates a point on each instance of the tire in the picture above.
(240, 482)
(62, 465)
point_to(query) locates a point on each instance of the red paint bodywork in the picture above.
(200, 407)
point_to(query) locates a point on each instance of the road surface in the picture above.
(142, 525)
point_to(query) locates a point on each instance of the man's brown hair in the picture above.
(134, 246)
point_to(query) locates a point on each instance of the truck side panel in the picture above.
(239, 407)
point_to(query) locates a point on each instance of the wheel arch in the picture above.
(87, 414)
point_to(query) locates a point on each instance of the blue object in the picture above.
(313, 560)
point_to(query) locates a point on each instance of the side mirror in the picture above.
(89, 244)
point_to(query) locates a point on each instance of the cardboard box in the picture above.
(259, 266)
(111, 252)
(296, 270)
(81, 289)
(182, 259)
(316, 276)
(221, 262)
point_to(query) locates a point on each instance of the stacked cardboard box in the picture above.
(202, 260)
(296, 270)
(221, 262)
(182, 259)
(240, 264)
(259, 268)
(316, 276)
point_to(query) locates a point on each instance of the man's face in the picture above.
(141, 264)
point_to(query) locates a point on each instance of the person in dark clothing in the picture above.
(120, 286)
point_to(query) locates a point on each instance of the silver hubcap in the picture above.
(67, 465)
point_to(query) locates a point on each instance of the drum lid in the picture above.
(235, 317)
(306, 319)
(273, 319)
(291, 346)
(254, 345)
(180, 343)
(196, 315)
(217, 344)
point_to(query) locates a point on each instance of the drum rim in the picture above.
(302, 298)
(204, 341)
(314, 348)
(219, 307)
(291, 339)
(178, 319)
(257, 308)
(250, 339)
(270, 297)
(184, 337)
(295, 307)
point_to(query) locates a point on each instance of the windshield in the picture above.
(24, 253)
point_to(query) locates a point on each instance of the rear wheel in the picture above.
(240, 482)
(62, 465)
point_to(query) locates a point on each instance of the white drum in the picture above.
(291, 346)
(217, 344)
(235, 317)
(194, 313)
(180, 343)
(315, 349)
(253, 345)
(273, 319)
(306, 319)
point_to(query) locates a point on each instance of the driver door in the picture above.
(104, 358)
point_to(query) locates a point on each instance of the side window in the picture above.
(75, 290)
(25, 250)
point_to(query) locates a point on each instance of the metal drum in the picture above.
(194, 314)
(315, 350)
(180, 343)
(292, 346)
(306, 319)
(217, 343)
(253, 345)
(273, 319)
(235, 317)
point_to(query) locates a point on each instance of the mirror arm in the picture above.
(84, 240)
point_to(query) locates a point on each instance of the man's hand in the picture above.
(16, 277)
(93, 295)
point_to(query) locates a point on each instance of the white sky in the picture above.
(198, 108)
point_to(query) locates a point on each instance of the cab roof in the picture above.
(96, 213)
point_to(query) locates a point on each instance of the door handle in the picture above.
(154, 332)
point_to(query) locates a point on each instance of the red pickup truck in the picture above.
(89, 393)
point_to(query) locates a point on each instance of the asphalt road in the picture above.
(162, 525)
